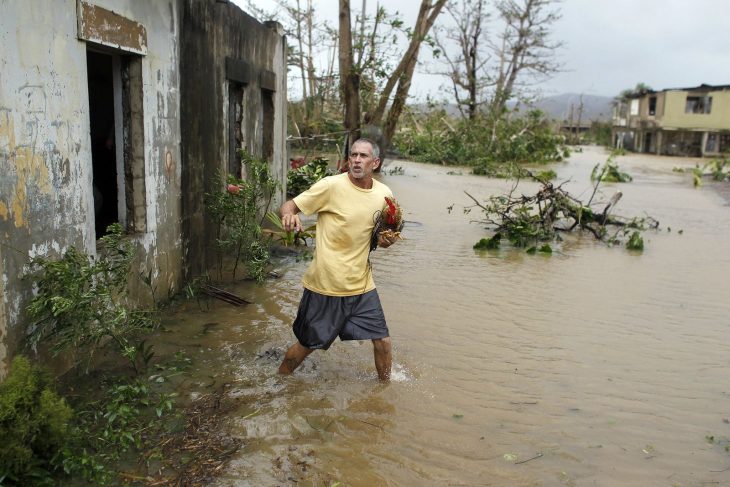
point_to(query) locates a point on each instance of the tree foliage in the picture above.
(435, 137)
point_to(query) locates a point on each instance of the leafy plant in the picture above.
(697, 176)
(303, 177)
(718, 169)
(610, 172)
(240, 208)
(635, 242)
(288, 238)
(128, 419)
(79, 302)
(33, 425)
(545, 176)
(489, 243)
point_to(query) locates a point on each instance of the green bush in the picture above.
(33, 425)
(493, 146)
(302, 178)
(239, 208)
(80, 300)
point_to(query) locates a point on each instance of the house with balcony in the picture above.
(691, 122)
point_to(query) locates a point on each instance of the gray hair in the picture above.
(373, 146)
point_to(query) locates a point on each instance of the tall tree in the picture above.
(349, 77)
(399, 80)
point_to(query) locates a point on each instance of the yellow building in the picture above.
(681, 121)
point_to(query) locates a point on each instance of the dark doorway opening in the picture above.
(103, 144)
(648, 146)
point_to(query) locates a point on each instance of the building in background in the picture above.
(123, 111)
(678, 122)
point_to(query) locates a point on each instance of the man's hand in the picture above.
(386, 239)
(291, 222)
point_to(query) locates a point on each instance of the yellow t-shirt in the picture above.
(345, 220)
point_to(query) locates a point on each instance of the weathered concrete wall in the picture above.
(46, 198)
(222, 47)
(675, 116)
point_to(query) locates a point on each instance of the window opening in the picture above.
(235, 124)
(652, 105)
(698, 104)
(267, 145)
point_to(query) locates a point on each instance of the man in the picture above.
(339, 296)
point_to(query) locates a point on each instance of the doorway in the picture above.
(100, 72)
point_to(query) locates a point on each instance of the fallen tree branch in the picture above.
(526, 220)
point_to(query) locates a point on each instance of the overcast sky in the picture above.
(610, 45)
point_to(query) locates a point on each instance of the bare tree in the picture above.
(524, 49)
(306, 35)
(467, 64)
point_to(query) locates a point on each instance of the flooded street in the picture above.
(594, 366)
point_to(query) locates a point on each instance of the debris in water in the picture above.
(223, 295)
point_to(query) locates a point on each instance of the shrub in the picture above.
(302, 178)
(33, 425)
(79, 302)
(240, 207)
(488, 144)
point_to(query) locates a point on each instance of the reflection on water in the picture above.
(593, 366)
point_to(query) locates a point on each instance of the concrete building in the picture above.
(682, 121)
(121, 110)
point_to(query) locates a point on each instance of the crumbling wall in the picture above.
(229, 62)
(46, 196)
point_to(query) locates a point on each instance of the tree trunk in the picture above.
(349, 80)
(302, 68)
(426, 17)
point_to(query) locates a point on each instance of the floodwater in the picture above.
(593, 366)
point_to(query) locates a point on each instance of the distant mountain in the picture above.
(557, 107)
(595, 108)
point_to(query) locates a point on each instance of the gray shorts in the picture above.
(321, 319)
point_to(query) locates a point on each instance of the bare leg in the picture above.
(294, 356)
(383, 357)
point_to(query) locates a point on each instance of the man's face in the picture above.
(362, 162)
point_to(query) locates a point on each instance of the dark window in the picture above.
(652, 105)
(698, 104)
(235, 124)
(267, 102)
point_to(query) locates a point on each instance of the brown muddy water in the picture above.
(594, 366)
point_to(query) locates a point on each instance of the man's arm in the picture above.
(289, 212)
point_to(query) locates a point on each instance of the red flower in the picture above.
(297, 162)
